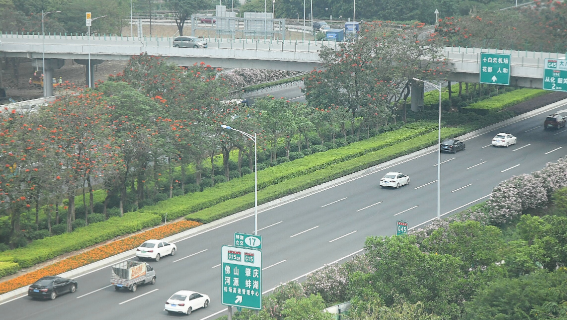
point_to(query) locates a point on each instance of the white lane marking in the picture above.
(304, 231)
(510, 168)
(461, 188)
(86, 294)
(270, 225)
(423, 185)
(214, 314)
(435, 165)
(406, 210)
(123, 302)
(446, 213)
(490, 145)
(548, 152)
(529, 144)
(532, 129)
(310, 272)
(196, 253)
(560, 132)
(328, 204)
(476, 165)
(218, 265)
(275, 264)
(348, 234)
(369, 206)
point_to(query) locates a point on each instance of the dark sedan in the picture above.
(452, 145)
(51, 287)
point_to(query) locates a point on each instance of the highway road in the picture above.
(316, 228)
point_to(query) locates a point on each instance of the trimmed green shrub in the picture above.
(318, 148)
(8, 268)
(58, 228)
(295, 155)
(39, 234)
(78, 223)
(502, 101)
(47, 248)
(96, 217)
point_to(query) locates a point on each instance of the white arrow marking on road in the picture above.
(238, 299)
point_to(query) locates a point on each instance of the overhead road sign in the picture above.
(495, 68)
(555, 75)
(241, 277)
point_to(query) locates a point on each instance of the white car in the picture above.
(155, 249)
(394, 179)
(503, 140)
(185, 302)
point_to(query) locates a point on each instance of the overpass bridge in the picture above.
(526, 68)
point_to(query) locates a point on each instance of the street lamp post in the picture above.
(436, 17)
(438, 87)
(253, 138)
(43, 14)
(90, 71)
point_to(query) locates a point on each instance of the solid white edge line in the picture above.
(304, 231)
(214, 314)
(348, 234)
(446, 213)
(273, 265)
(138, 296)
(86, 294)
(196, 253)
(369, 206)
(328, 204)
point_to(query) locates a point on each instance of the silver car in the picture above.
(189, 42)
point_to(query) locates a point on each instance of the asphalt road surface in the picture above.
(311, 231)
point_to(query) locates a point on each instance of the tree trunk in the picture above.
(71, 212)
(183, 165)
(85, 203)
(106, 199)
(460, 89)
(57, 211)
(170, 170)
(91, 195)
(122, 199)
(450, 93)
(225, 159)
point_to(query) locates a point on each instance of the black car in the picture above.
(554, 121)
(51, 287)
(452, 145)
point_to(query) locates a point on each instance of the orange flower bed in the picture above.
(97, 254)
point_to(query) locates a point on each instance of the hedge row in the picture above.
(321, 176)
(8, 268)
(502, 101)
(47, 248)
(186, 204)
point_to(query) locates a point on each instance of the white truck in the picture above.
(129, 274)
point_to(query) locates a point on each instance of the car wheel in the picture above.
(116, 288)
(157, 257)
(398, 185)
(206, 304)
(407, 184)
(73, 288)
(195, 46)
(153, 280)
(134, 287)
(172, 252)
(507, 144)
(189, 311)
(53, 295)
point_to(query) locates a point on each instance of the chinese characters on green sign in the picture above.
(495, 68)
(248, 241)
(401, 227)
(555, 75)
(241, 277)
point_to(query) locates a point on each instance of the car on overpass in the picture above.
(189, 42)
(209, 20)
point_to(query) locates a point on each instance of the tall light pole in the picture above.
(436, 17)
(438, 87)
(43, 14)
(253, 138)
(303, 33)
(131, 30)
(89, 31)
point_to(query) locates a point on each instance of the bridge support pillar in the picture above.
(91, 66)
(417, 93)
(49, 65)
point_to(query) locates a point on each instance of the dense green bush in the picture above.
(58, 229)
(295, 155)
(96, 217)
(8, 268)
(318, 148)
(499, 102)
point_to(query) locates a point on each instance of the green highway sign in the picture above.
(248, 241)
(555, 75)
(495, 68)
(241, 277)
(401, 228)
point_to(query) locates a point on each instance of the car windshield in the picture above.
(178, 297)
(390, 176)
(43, 282)
(550, 119)
(447, 142)
(500, 136)
(148, 245)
